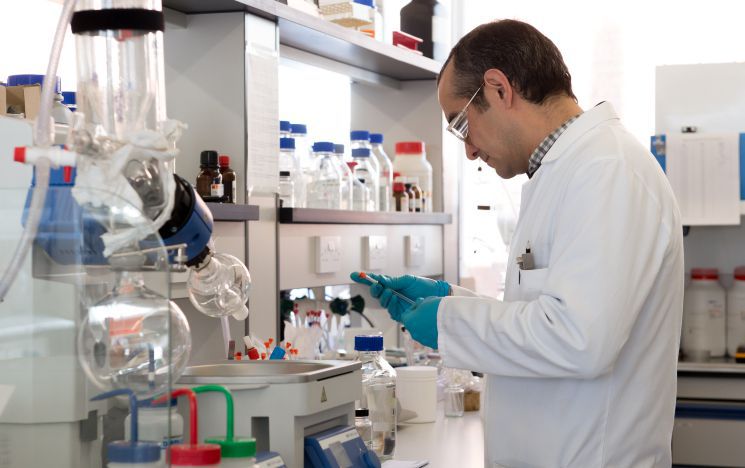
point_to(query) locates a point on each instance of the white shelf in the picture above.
(317, 36)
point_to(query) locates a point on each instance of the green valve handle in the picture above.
(232, 447)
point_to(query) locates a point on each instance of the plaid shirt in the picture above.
(535, 159)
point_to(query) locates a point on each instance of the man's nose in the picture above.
(472, 152)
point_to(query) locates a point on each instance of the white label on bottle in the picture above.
(716, 309)
(217, 190)
(417, 205)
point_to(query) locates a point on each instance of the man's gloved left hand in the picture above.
(421, 321)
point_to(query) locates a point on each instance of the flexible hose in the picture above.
(42, 138)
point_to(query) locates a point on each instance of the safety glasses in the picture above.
(459, 125)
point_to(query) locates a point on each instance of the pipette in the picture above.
(364, 276)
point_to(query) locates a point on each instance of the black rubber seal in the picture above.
(117, 19)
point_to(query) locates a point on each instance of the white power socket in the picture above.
(414, 248)
(375, 252)
(328, 254)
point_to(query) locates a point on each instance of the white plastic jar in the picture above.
(703, 331)
(736, 312)
(417, 392)
(411, 161)
(152, 424)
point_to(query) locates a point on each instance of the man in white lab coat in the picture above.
(581, 354)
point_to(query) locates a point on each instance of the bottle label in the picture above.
(217, 190)
(417, 205)
(167, 441)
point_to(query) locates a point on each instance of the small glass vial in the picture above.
(400, 198)
(364, 426)
(418, 194)
(454, 395)
(286, 190)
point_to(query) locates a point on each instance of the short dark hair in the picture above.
(530, 61)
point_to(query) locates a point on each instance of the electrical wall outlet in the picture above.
(328, 254)
(375, 252)
(414, 248)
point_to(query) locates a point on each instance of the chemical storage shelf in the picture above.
(712, 366)
(315, 216)
(231, 212)
(320, 37)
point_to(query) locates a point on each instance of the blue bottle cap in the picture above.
(284, 126)
(130, 451)
(361, 153)
(18, 80)
(299, 129)
(125, 451)
(339, 148)
(68, 98)
(370, 3)
(323, 147)
(368, 343)
(287, 143)
(376, 138)
(356, 135)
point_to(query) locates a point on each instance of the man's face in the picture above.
(491, 134)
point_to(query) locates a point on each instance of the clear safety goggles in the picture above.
(459, 125)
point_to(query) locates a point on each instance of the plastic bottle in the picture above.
(153, 421)
(378, 393)
(209, 179)
(361, 139)
(736, 312)
(348, 179)
(365, 172)
(228, 179)
(411, 161)
(286, 190)
(364, 426)
(703, 331)
(325, 190)
(360, 192)
(236, 451)
(400, 197)
(386, 171)
(418, 194)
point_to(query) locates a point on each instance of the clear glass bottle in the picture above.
(365, 171)
(325, 191)
(364, 426)
(304, 156)
(289, 162)
(378, 393)
(360, 192)
(361, 139)
(454, 400)
(386, 171)
(286, 190)
(348, 179)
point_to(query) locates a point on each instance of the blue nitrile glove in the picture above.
(413, 287)
(421, 321)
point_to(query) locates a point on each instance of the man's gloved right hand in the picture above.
(413, 287)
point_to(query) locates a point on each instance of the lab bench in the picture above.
(446, 443)
(710, 414)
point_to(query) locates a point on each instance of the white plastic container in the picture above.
(152, 424)
(411, 161)
(703, 333)
(736, 312)
(417, 392)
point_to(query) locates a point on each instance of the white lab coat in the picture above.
(581, 355)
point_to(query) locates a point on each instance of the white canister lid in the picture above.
(416, 373)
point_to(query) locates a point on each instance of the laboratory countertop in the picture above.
(446, 443)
